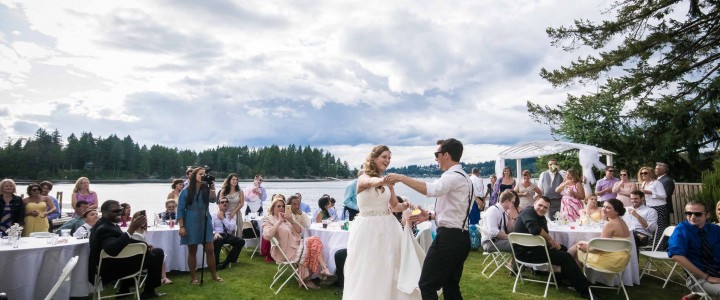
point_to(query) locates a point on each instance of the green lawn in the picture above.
(249, 279)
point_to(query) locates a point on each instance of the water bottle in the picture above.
(346, 219)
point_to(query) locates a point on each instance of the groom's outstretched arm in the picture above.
(417, 185)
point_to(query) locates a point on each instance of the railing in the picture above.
(684, 191)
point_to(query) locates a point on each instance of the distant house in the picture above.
(89, 166)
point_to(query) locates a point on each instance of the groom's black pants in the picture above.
(444, 264)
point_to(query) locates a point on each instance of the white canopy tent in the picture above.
(589, 155)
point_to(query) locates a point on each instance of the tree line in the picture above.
(47, 156)
(486, 168)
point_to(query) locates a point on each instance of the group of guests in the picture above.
(34, 213)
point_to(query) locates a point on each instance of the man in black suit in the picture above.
(661, 170)
(106, 235)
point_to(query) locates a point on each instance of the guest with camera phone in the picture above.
(195, 221)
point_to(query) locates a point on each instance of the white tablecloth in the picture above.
(31, 270)
(169, 240)
(333, 239)
(570, 237)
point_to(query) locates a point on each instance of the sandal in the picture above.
(218, 279)
(166, 281)
(194, 282)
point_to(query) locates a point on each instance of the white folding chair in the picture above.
(129, 251)
(655, 257)
(651, 246)
(529, 240)
(65, 276)
(282, 267)
(226, 249)
(247, 224)
(696, 287)
(498, 259)
(607, 245)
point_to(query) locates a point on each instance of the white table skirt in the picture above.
(569, 237)
(333, 239)
(176, 255)
(31, 270)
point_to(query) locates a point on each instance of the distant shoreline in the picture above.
(168, 181)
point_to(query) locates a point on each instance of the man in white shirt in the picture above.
(446, 257)
(223, 228)
(641, 220)
(496, 224)
(478, 191)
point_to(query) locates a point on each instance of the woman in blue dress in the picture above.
(193, 217)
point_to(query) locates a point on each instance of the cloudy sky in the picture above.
(343, 75)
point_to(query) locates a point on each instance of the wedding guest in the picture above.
(496, 223)
(527, 190)
(548, 181)
(641, 220)
(513, 212)
(331, 210)
(194, 221)
(82, 191)
(170, 212)
(532, 220)
(506, 181)
(655, 199)
(224, 226)
(255, 195)
(107, 236)
(322, 212)
(572, 191)
(489, 190)
(236, 198)
(350, 202)
(695, 245)
(592, 210)
(57, 213)
(661, 170)
(624, 187)
(125, 216)
(478, 203)
(188, 173)
(297, 214)
(308, 252)
(36, 207)
(176, 186)
(717, 212)
(303, 206)
(139, 235)
(90, 217)
(615, 228)
(80, 208)
(604, 186)
(11, 208)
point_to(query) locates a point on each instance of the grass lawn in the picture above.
(249, 279)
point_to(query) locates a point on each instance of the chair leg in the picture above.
(672, 271)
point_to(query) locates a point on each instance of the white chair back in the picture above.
(610, 245)
(248, 224)
(527, 240)
(65, 276)
(129, 251)
(283, 267)
(666, 234)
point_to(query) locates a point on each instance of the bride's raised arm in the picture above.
(366, 182)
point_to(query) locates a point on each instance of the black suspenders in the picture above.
(472, 192)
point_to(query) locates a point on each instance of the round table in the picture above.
(333, 239)
(568, 236)
(34, 267)
(169, 240)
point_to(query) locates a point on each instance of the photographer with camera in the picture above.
(194, 220)
(255, 195)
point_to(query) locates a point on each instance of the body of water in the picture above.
(151, 196)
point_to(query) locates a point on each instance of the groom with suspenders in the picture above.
(445, 259)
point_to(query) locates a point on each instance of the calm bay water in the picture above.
(152, 196)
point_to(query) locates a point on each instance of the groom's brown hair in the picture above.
(452, 147)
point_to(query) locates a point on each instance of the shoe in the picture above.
(166, 281)
(329, 280)
(150, 295)
(194, 282)
(691, 296)
(218, 279)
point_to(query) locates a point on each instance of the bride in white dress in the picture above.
(373, 261)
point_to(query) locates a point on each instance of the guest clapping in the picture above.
(36, 206)
(194, 222)
(11, 208)
(90, 217)
(82, 191)
(308, 252)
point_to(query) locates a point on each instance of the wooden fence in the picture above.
(683, 192)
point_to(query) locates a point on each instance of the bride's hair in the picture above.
(369, 166)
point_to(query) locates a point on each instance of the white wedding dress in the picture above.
(374, 251)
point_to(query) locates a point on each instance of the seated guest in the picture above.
(297, 214)
(323, 213)
(36, 206)
(81, 206)
(615, 228)
(513, 212)
(641, 220)
(307, 252)
(695, 245)
(223, 228)
(57, 213)
(11, 208)
(591, 209)
(532, 220)
(495, 224)
(106, 235)
(90, 217)
(170, 212)
(303, 206)
(332, 211)
(139, 235)
(126, 215)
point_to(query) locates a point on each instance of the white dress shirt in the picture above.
(230, 224)
(478, 185)
(494, 221)
(650, 216)
(302, 220)
(657, 197)
(452, 191)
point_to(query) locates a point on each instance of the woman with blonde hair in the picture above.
(82, 191)
(624, 187)
(308, 252)
(11, 206)
(572, 191)
(717, 212)
(591, 209)
(655, 198)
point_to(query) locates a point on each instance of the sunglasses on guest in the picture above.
(694, 213)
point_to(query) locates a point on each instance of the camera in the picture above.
(207, 178)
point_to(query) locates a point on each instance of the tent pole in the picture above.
(519, 168)
(609, 159)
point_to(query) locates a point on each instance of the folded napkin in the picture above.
(412, 257)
